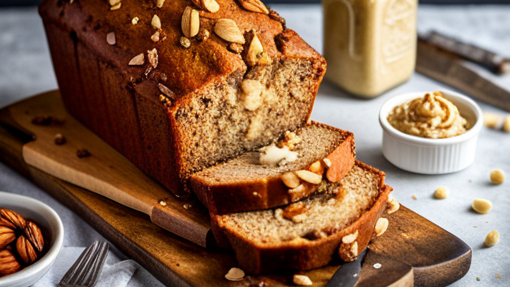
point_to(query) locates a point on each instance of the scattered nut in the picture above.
(234, 274)
(153, 57)
(491, 120)
(227, 30)
(135, 20)
(498, 275)
(381, 226)
(155, 37)
(190, 22)
(327, 162)
(481, 206)
(254, 51)
(110, 38)
(506, 124)
(254, 6)
(165, 90)
(414, 197)
(156, 22)
(302, 280)
(162, 203)
(185, 42)
(208, 5)
(81, 153)
(59, 139)
(159, 3)
(350, 238)
(491, 239)
(290, 179)
(203, 35)
(115, 7)
(393, 206)
(137, 60)
(497, 176)
(441, 193)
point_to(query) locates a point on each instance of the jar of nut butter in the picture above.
(369, 45)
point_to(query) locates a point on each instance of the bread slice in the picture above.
(244, 184)
(272, 240)
(181, 109)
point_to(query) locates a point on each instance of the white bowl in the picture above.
(47, 219)
(431, 156)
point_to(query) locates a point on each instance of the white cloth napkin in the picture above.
(116, 273)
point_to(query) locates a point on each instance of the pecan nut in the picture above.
(7, 236)
(8, 263)
(25, 250)
(13, 218)
(34, 234)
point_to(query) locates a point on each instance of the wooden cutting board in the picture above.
(413, 249)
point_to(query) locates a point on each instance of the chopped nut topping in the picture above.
(59, 139)
(165, 101)
(236, 48)
(309, 176)
(208, 5)
(381, 226)
(227, 30)
(115, 7)
(135, 20)
(155, 36)
(291, 140)
(235, 274)
(113, 2)
(137, 60)
(190, 22)
(185, 42)
(204, 35)
(316, 167)
(110, 38)
(350, 238)
(302, 280)
(156, 22)
(153, 57)
(165, 90)
(159, 3)
(254, 51)
(254, 6)
(354, 249)
(327, 162)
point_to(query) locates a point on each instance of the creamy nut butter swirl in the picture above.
(432, 116)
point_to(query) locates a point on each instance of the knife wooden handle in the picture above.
(105, 172)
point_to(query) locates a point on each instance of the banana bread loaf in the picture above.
(324, 155)
(309, 233)
(178, 86)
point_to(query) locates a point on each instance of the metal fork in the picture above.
(86, 270)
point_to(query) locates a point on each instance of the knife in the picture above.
(348, 274)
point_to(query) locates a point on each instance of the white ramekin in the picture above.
(46, 218)
(431, 156)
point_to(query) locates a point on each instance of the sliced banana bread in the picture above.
(176, 86)
(324, 155)
(307, 234)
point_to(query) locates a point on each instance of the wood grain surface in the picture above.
(413, 249)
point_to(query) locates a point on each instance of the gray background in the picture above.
(25, 70)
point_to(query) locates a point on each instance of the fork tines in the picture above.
(86, 270)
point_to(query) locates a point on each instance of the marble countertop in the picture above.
(26, 70)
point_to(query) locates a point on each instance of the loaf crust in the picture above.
(123, 104)
(302, 254)
(266, 192)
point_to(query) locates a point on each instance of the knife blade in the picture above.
(348, 274)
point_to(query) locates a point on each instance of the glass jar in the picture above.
(369, 45)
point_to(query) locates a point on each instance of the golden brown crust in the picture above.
(304, 254)
(268, 192)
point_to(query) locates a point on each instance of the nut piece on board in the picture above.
(302, 280)
(482, 206)
(491, 239)
(381, 226)
(393, 206)
(497, 176)
(491, 120)
(234, 274)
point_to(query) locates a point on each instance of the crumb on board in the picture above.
(81, 153)
(414, 197)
